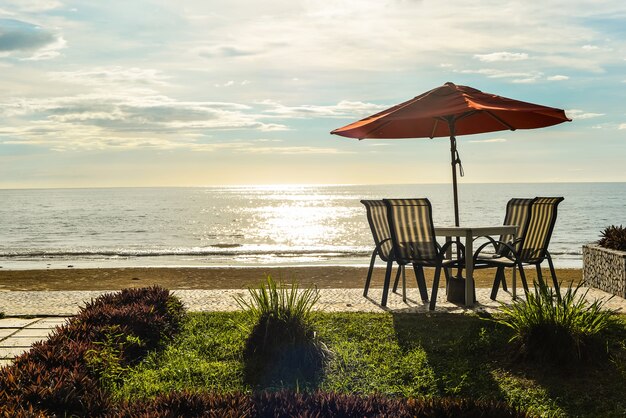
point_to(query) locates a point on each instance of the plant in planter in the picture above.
(604, 263)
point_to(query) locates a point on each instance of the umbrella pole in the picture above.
(454, 162)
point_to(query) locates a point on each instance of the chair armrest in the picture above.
(447, 245)
(496, 244)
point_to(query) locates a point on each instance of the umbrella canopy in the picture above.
(452, 110)
(471, 111)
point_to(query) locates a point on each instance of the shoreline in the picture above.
(237, 277)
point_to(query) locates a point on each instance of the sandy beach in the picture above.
(325, 277)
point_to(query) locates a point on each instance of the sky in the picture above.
(199, 93)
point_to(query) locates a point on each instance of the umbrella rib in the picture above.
(432, 133)
(375, 128)
(500, 120)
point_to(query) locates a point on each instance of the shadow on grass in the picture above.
(458, 349)
(590, 388)
(282, 354)
(471, 357)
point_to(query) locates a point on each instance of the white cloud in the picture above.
(590, 47)
(515, 76)
(343, 109)
(32, 6)
(293, 150)
(112, 76)
(487, 141)
(502, 56)
(557, 78)
(112, 116)
(578, 114)
(622, 126)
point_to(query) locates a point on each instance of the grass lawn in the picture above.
(396, 354)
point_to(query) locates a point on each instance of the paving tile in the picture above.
(5, 332)
(16, 322)
(12, 352)
(49, 322)
(5, 362)
(20, 341)
(27, 332)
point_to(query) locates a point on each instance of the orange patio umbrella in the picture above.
(452, 110)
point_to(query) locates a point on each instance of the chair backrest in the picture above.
(379, 225)
(534, 243)
(412, 230)
(517, 213)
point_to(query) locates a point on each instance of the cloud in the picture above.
(111, 117)
(622, 126)
(223, 51)
(590, 47)
(293, 150)
(18, 37)
(581, 114)
(343, 109)
(231, 83)
(502, 56)
(487, 141)
(112, 76)
(33, 6)
(557, 78)
(516, 76)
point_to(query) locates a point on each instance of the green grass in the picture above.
(395, 354)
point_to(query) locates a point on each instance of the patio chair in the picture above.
(379, 225)
(530, 246)
(414, 242)
(517, 211)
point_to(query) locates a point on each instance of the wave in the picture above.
(232, 250)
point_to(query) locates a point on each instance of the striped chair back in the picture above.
(412, 230)
(517, 211)
(534, 244)
(379, 225)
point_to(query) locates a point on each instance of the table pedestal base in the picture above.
(456, 290)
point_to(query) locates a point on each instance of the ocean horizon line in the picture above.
(301, 185)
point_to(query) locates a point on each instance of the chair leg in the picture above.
(386, 283)
(404, 283)
(539, 274)
(369, 273)
(503, 281)
(446, 273)
(421, 281)
(496, 282)
(554, 279)
(397, 280)
(522, 276)
(433, 293)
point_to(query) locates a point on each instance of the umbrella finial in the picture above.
(450, 84)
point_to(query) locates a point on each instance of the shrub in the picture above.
(282, 345)
(286, 404)
(555, 330)
(61, 376)
(614, 238)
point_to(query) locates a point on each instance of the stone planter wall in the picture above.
(605, 269)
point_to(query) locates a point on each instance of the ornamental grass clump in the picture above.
(614, 238)
(282, 348)
(558, 331)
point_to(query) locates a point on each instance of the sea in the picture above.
(244, 226)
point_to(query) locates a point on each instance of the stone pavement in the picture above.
(17, 334)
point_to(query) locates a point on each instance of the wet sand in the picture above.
(324, 277)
